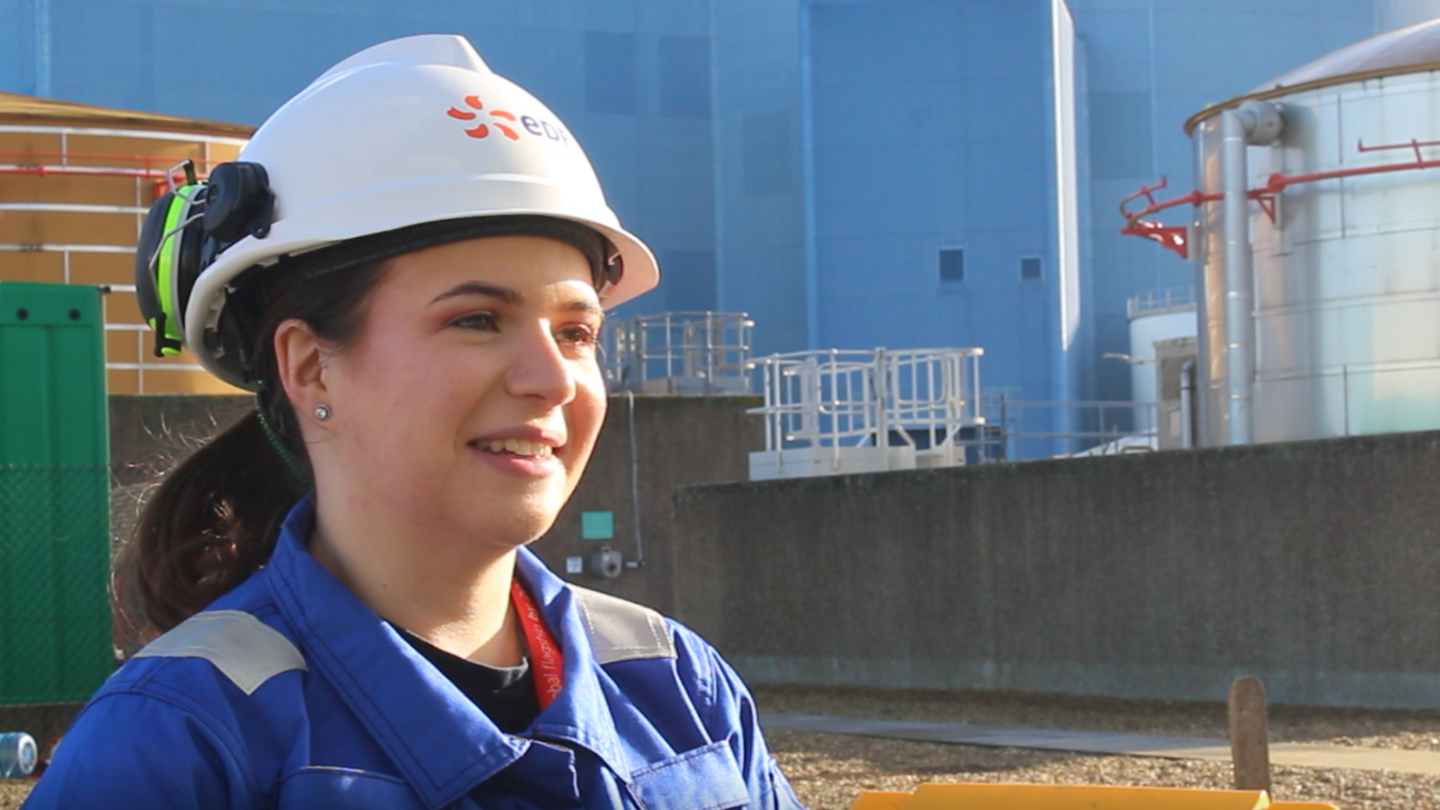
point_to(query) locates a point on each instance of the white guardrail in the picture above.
(680, 353)
(834, 412)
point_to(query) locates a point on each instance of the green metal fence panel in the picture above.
(55, 625)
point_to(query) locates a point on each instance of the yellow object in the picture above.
(880, 800)
(972, 796)
(989, 796)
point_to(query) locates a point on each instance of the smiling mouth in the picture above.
(516, 447)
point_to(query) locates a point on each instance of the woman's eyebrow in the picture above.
(583, 305)
(505, 294)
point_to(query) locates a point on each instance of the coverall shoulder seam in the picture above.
(151, 689)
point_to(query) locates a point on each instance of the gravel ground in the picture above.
(13, 792)
(829, 770)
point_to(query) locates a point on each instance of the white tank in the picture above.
(1347, 275)
(1155, 316)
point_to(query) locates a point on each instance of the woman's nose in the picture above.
(540, 368)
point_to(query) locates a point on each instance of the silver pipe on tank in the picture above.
(1199, 238)
(1239, 277)
(1187, 408)
(1253, 123)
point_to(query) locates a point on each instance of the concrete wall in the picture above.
(1312, 565)
(678, 440)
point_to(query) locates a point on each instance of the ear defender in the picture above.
(184, 231)
(239, 202)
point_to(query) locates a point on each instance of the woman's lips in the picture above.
(518, 456)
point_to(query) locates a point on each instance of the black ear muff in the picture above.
(239, 202)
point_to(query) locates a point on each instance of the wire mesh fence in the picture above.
(55, 627)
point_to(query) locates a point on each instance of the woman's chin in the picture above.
(524, 521)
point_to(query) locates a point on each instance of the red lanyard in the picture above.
(546, 660)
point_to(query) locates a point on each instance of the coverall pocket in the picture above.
(321, 788)
(703, 779)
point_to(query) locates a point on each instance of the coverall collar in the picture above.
(442, 743)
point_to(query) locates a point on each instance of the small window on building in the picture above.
(952, 264)
(1030, 268)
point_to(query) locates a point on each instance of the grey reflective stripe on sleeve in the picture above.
(246, 649)
(621, 630)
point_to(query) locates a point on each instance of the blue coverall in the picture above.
(289, 692)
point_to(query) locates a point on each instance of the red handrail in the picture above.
(1176, 237)
(163, 177)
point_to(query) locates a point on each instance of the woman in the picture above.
(410, 267)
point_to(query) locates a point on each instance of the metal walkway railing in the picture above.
(835, 411)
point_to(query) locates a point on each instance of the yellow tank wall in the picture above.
(93, 243)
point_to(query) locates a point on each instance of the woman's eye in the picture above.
(579, 334)
(479, 321)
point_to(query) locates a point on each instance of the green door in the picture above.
(55, 628)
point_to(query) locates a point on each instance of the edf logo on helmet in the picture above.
(532, 125)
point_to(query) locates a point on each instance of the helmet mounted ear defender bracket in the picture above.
(183, 232)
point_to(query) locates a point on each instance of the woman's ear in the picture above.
(300, 363)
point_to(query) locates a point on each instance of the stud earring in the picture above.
(322, 412)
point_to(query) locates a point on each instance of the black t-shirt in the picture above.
(505, 694)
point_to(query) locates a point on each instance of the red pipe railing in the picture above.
(1176, 237)
(162, 176)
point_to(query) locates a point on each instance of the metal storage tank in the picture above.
(1343, 213)
(1157, 316)
(75, 184)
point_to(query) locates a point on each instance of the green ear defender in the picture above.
(184, 231)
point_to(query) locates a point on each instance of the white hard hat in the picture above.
(410, 131)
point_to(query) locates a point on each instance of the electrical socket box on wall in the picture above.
(606, 563)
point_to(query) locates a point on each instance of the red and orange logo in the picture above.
(482, 129)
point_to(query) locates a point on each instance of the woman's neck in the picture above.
(452, 593)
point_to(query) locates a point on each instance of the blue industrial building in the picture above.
(853, 173)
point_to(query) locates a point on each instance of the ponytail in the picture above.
(213, 520)
(210, 523)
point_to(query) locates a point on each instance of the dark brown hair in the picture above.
(213, 520)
